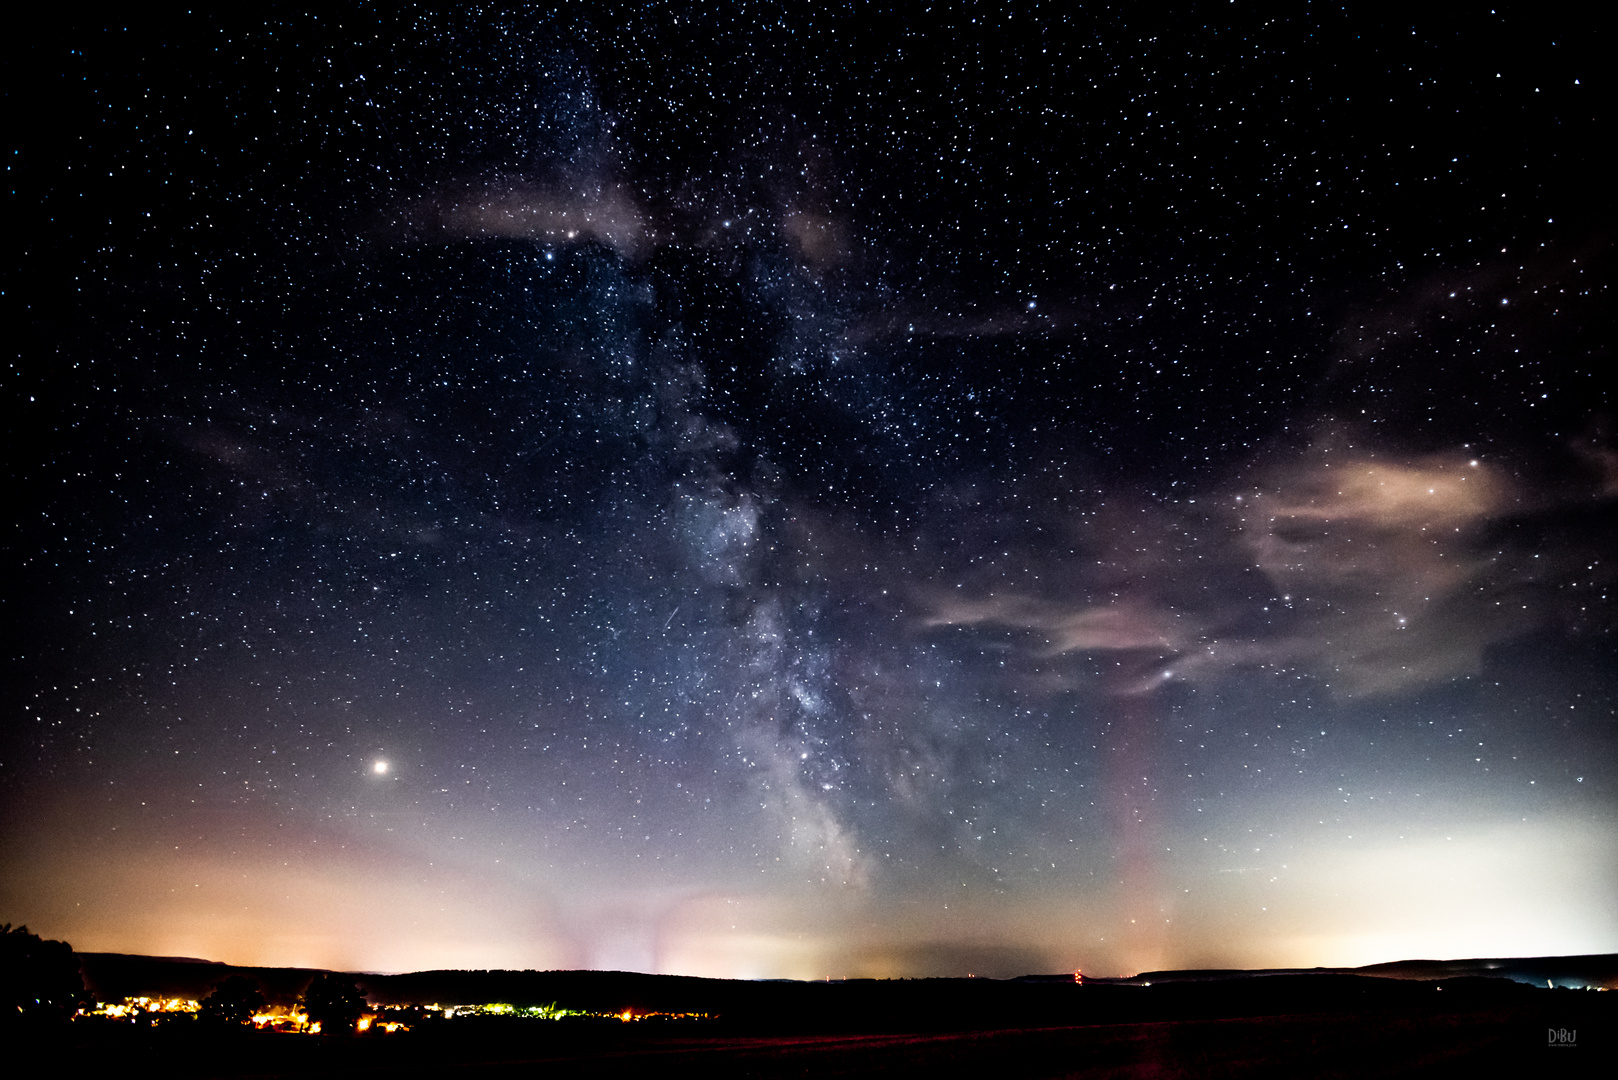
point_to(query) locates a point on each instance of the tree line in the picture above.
(41, 985)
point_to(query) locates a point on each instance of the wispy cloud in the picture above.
(1379, 572)
(1063, 628)
(515, 209)
(1384, 563)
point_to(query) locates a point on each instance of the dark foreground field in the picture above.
(1415, 1018)
(1512, 1040)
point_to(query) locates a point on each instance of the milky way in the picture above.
(774, 493)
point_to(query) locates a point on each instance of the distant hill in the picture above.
(115, 976)
(1571, 972)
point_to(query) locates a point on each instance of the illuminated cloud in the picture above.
(1062, 628)
(1381, 574)
(605, 214)
(1423, 494)
(1384, 563)
(820, 240)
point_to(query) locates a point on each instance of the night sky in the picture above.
(787, 492)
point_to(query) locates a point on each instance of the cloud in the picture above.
(1383, 565)
(1429, 492)
(1121, 626)
(253, 465)
(950, 316)
(605, 214)
(1379, 572)
(818, 239)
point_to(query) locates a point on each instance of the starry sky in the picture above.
(785, 491)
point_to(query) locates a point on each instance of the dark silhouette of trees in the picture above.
(233, 1002)
(334, 1003)
(39, 979)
